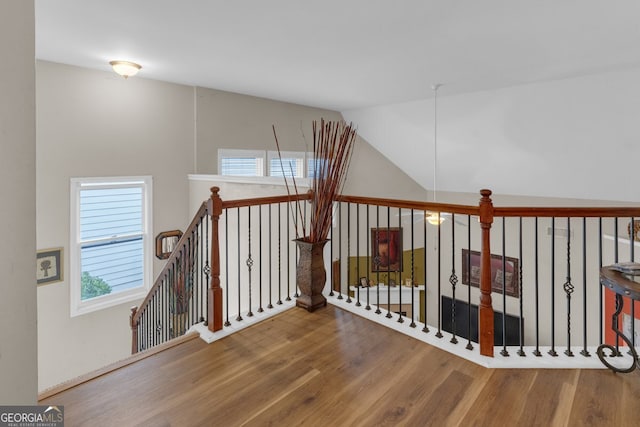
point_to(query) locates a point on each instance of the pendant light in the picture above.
(435, 218)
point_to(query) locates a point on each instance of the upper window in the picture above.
(241, 162)
(296, 164)
(110, 243)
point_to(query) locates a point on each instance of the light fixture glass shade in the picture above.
(434, 218)
(125, 68)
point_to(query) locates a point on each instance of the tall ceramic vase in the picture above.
(311, 275)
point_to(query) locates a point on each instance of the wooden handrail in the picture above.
(136, 312)
(410, 204)
(241, 203)
(577, 212)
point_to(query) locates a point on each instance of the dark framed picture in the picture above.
(364, 283)
(510, 275)
(49, 266)
(386, 249)
(166, 242)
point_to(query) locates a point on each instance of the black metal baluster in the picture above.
(249, 258)
(568, 289)
(376, 260)
(296, 256)
(398, 275)
(331, 278)
(453, 279)
(584, 350)
(226, 262)
(239, 317)
(519, 273)
(368, 307)
(424, 230)
(616, 260)
(358, 255)
(260, 309)
(537, 352)
(632, 236)
(469, 345)
(349, 300)
(279, 254)
(270, 305)
(504, 351)
(340, 249)
(553, 352)
(207, 268)
(601, 290)
(288, 298)
(413, 320)
(439, 333)
(388, 264)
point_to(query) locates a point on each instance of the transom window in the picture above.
(110, 243)
(251, 163)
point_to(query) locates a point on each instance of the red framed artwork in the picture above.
(386, 249)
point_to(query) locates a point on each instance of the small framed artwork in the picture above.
(471, 272)
(364, 283)
(49, 266)
(166, 242)
(386, 249)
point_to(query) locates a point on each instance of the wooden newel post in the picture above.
(134, 330)
(486, 309)
(215, 291)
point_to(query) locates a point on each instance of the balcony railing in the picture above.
(521, 280)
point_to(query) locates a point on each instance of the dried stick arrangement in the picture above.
(332, 148)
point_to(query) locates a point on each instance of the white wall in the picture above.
(93, 123)
(573, 138)
(18, 329)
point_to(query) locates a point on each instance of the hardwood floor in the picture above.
(333, 368)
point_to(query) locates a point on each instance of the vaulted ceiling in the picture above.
(344, 54)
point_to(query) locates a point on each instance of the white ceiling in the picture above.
(344, 54)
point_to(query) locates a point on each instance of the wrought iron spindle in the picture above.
(584, 350)
(260, 309)
(521, 352)
(207, 269)
(249, 259)
(398, 275)
(349, 300)
(340, 249)
(552, 351)
(331, 278)
(279, 302)
(632, 238)
(368, 258)
(453, 280)
(388, 264)
(413, 320)
(537, 352)
(469, 346)
(601, 291)
(239, 316)
(424, 232)
(504, 351)
(376, 261)
(358, 304)
(288, 298)
(568, 289)
(270, 305)
(226, 262)
(439, 333)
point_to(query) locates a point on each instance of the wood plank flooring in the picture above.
(333, 368)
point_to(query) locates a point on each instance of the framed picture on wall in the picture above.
(386, 249)
(471, 272)
(49, 266)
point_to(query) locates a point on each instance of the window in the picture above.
(110, 243)
(251, 163)
(241, 162)
(287, 163)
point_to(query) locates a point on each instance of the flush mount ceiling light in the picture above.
(125, 68)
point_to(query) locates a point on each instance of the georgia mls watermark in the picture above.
(32, 416)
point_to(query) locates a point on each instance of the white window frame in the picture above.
(288, 155)
(79, 307)
(228, 152)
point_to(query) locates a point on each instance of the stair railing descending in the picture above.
(178, 299)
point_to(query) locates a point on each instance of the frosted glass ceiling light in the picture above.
(125, 68)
